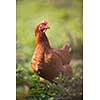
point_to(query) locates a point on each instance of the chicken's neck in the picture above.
(41, 39)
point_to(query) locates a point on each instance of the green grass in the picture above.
(61, 20)
(65, 21)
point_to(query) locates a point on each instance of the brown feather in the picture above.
(49, 62)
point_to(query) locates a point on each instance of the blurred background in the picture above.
(66, 23)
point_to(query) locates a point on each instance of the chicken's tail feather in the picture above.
(67, 47)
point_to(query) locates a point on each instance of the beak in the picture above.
(48, 27)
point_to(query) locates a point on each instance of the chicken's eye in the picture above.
(41, 25)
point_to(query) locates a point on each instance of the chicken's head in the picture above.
(42, 27)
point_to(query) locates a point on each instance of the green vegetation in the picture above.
(65, 21)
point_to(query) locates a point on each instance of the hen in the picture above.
(48, 62)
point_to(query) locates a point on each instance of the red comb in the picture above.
(45, 21)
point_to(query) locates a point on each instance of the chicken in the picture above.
(48, 62)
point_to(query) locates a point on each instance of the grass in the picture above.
(65, 21)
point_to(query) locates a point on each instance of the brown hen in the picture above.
(48, 62)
